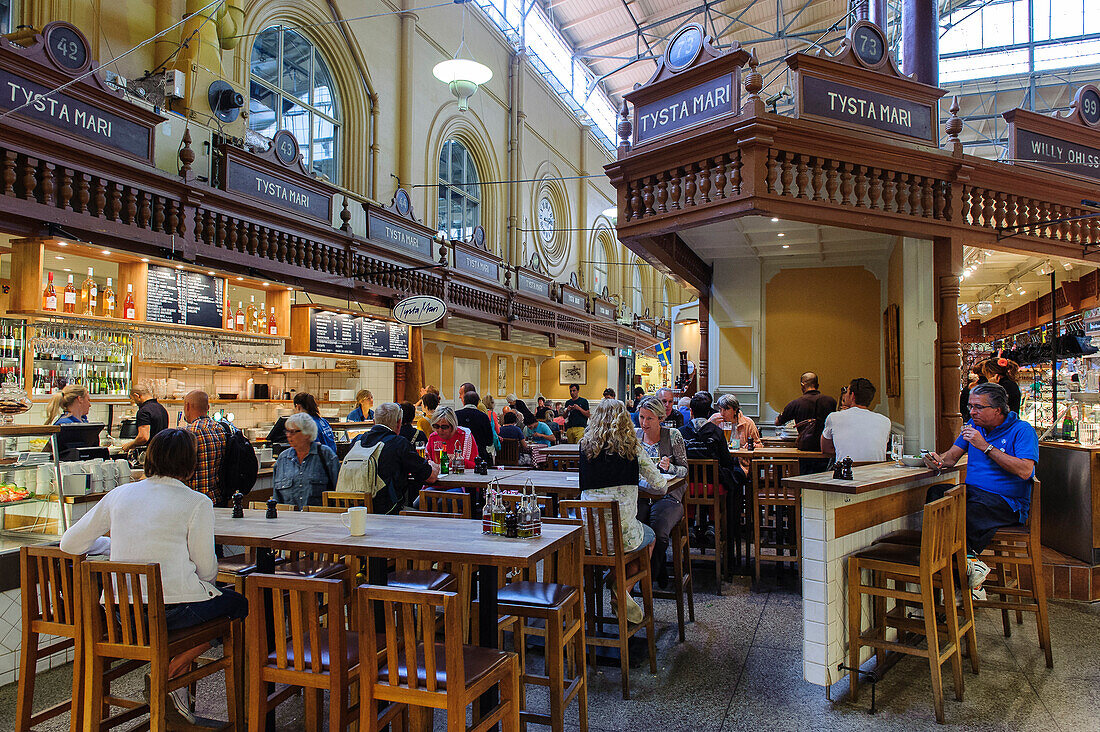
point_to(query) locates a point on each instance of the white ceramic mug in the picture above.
(355, 520)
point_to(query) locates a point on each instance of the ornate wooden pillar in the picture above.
(704, 348)
(947, 258)
(409, 377)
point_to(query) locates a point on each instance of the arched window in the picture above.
(599, 266)
(459, 192)
(639, 302)
(666, 305)
(292, 89)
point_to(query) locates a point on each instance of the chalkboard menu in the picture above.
(343, 334)
(179, 297)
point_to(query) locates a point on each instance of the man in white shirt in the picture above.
(855, 431)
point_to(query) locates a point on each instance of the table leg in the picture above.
(376, 575)
(487, 612)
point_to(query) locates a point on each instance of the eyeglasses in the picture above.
(978, 407)
(442, 426)
(293, 432)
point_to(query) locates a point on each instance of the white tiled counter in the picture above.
(840, 517)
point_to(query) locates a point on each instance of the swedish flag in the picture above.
(664, 351)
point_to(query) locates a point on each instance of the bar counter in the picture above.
(1070, 475)
(840, 517)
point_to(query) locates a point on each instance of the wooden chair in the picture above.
(682, 587)
(50, 580)
(438, 501)
(127, 627)
(562, 462)
(703, 496)
(774, 504)
(509, 451)
(413, 669)
(555, 602)
(326, 509)
(912, 537)
(909, 565)
(347, 500)
(1013, 548)
(313, 650)
(603, 551)
(431, 514)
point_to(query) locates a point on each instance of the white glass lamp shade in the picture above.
(463, 76)
(984, 307)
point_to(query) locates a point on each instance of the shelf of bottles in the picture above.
(12, 337)
(95, 357)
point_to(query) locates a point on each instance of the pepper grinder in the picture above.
(238, 505)
(838, 470)
(846, 473)
(272, 511)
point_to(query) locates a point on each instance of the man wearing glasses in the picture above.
(1001, 452)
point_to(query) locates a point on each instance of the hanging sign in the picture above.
(184, 298)
(420, 310)
(866, 108)
(701, 103)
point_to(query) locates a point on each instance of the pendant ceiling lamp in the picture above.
(462, 75)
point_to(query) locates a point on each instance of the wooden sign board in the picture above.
(862, 88)
(574, 298)
(181, 297)
(532, 283)
(318, 331)
(1069, 144)
(396, 226)
(276, 177)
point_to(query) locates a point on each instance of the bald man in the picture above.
(210, 438)
(812, 405)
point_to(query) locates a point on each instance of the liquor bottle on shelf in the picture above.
(7, 342)
(17, 342)
(49, 295)
(109, 303)
(272, 326)
(129, 312)
(89, 295)
(240, 316)
(230, 316)
(70, 296)
(250, 315)
(261, 319)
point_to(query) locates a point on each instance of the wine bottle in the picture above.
(240, 316)
(230, 316)
(272, 326)
(89, 295)
(250, 315)
(129, 312)
(109, 300)
(70, 296)
(49, 296)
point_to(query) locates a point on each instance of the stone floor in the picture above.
(740, 669)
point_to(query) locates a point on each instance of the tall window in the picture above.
(6, 12)
(639, 302)
(666, 305)
(292, 89)
(459, 192)
(599, 267)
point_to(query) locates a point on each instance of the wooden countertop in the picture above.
(28, 430)
(867, 478)
(777, 452)
(1070, 446)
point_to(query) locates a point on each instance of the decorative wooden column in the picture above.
(947, 261)
(704, 348)
(409, 377)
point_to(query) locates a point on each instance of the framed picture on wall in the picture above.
(890, 328)
(573, 372)
(526, 387)
(526, 369)
(502, 375)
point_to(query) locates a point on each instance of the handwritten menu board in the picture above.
(342, 334)
(179, 297)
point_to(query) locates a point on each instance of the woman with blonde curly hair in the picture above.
(611, 462)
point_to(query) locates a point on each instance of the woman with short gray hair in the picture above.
(661, 512)
(729, 412)
(305, 470)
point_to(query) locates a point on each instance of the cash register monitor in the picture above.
(80, 441)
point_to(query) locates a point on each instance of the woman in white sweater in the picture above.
(161, 520)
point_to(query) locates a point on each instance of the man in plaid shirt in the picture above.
(210, 439)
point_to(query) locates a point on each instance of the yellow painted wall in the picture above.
(735, 356)
(895, 295)
(597, 376)
(823, 319)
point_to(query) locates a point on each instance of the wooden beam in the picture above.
(669, 254)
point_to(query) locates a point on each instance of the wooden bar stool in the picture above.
(557, 602)
(703, 494)
(909, 565)
(1013, 548)
(438, 501)
(604, 551)
(772, 501)
(409, 667)
(127, 627)
(681, 575)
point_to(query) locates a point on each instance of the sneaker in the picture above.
(976, 572)
(179, 710)
(634, 612)
(978, 593)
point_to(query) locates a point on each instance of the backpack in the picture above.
(239, 466)
(359, 471)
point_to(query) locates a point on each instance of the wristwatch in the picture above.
(987, 449)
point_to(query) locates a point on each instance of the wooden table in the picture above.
(470, 480)
(408, 537)
(566, 449)
(840, 517)
(777, 452)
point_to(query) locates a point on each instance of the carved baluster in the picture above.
(889, 192)
(345, 216)
(846, 186)
(30, 178)
(647, 196)
(720, 176)
(914, 195)
(689, 184)
(801, 176)
(47, 184)
(219, 232)
(145, 210)
(300, 245)
(115, 205)
(158, 217)
(786, 177)
(280, 249)
(231, 236)
(817, 178)
(8, 173)
(861, 185)
(1059, 229)
(211, 227)
(635, 201)
(83, 195)
(875, 189)
(662, 192)
(945, 192)
(735, 178)
(989, 208)
(773, 172)
(130, 205)
(253, 239)
(832, 181)
(98, 198)
(174, 209)
(926, 197)
(267, 242)
(1035, 215)
(65, 190)
(902, 196)
(939, 201)
(999, 210)
(704, 183)
(674, 190)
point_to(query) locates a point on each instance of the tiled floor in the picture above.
(740, 669)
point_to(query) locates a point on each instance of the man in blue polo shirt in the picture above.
(1001, 451)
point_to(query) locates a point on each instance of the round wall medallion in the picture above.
(547, 220)
(868, 45)
(402, 202)
(286, 147)
(479, 237)
(684, 47)
(67, 47)
(1090, 105)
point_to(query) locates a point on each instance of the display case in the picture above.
(31, 504)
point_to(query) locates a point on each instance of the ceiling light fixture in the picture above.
(462, 75)
(775, 220)
(58, 256)
(781, 234)
(239, 279)
(62, 243)
(786, 246)
(106, 253)
(145, 259)
(210, 272)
